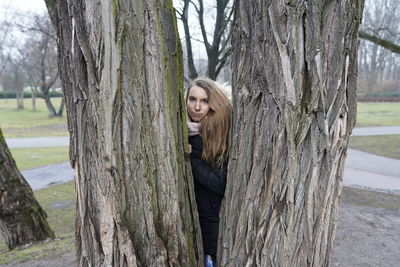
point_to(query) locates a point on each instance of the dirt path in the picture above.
(367, 236)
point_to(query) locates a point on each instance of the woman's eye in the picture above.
(192, 99)
(205, 101)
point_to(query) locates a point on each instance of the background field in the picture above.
(378, 114)
(29, 158)
(28, 122)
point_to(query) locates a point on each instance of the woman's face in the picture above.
(197, 103)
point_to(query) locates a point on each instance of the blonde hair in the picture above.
(215, 126)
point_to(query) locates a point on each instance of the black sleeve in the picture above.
(197, 146)
(213, 179)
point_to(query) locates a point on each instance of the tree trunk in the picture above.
(294, 93)
(188, 42)
(20, 98)
(33, 92)
(61, 109)
(22, 220)
(121, 69)
(49, 105)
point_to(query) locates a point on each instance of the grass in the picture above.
(28, 122)
(382, 145)
(378, 114)
(367, 198)
(29, 158)
(59, 203)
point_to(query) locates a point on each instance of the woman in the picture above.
(209, 119)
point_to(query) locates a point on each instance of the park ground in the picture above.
(369, 222)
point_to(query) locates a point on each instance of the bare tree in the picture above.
(121, 70)
(380, 33)
(217, 44)
(22, 220)
(13, 78)
(294, 92)
(5, 28)
(184, 17)
(41, 59)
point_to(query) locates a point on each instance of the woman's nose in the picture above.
(197, 106)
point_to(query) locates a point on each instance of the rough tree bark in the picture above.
(22, 220)
(121, 68)
(294, 92)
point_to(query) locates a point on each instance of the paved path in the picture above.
(366, 131)
(362, 169)
(33, 142)
(52, 174)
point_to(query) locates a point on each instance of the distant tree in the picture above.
(379, 61)
(22, 220)
(216, 42)
(41, 58)
(13, 78)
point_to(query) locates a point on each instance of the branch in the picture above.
(179, 13)
(53, 81)
(381, 42)
(223, 60)
(197, 40)
(200, 12)
(224, 24)
(34, 29)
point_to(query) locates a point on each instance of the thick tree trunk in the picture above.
(294, 92)
(121, 68)
(22, 220)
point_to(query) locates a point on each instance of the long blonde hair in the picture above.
(215, 126)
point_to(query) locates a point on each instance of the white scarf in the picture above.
(193, 128)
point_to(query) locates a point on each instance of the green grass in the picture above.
(383, 145)
(28, 122)
(29, 158)
(378, 114)
(61, 219)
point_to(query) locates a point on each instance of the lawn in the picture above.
(28, 122)
(383, 145)
(378, 114)
(29, 158)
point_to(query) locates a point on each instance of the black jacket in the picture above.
(209, 185)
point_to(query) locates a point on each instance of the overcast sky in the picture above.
(9, 7)
(37, 6)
